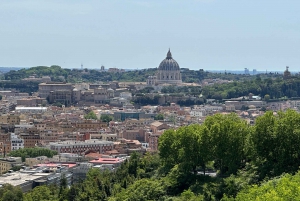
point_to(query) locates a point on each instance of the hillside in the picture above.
(91, 75)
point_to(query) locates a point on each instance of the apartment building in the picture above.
(46, 88)
(16, 142)
(7, 163)
(11, 119)
(90, 124)
(79, 147)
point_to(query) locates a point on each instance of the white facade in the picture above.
(16, 142)
(83, 168)
(198, 113)
(210, 109)
(295, 104)
(80, 146)
(126, 95)
(151, 80)
(31, 109)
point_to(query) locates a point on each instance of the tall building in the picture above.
(169, 71)
(16, 142)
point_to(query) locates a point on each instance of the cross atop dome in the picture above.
(169, 55)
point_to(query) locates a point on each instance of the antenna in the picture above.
(81, 66)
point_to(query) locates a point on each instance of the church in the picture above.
(168, 72)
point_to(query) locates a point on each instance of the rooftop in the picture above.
(87, 142)
(107, 160)
(19, 178)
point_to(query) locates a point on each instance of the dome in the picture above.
(110, 89)
(169, 63)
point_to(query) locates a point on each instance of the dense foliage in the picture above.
(275, 143)
(196, 76)
(29, 87)
(91, 75)
(91, 115)
(283, 188)
(143, 99)
(220, 139)
(192, 90)
(106, 118)
(79, 75)
(53, 71)
(32, 152)
(249, 162)
(9, 192)
(275, 88)
(159, 117)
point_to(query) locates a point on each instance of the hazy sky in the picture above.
(136, 34)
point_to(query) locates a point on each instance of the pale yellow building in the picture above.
(11, 119)
(7, 163)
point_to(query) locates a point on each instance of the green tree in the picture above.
(193, 149)
(275, 141)
(284, 188)
(168, 149)
(143, 190)
(228, 135)
(32, 152)
(9, 192)
(40, 193)
(159, 117)
(91, 115)
(106, 118)
(190, 147)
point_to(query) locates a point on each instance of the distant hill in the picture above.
(58, 73)
(7, 69)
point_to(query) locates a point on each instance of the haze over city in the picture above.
(131, 34)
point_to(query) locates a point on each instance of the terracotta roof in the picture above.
(156, 123)
(93, 155)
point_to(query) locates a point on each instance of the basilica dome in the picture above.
(168, 63)
(168, 71)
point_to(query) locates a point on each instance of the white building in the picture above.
(80, 146)
(31, 109)
(126, 95)
(212, 108)
(295, 104)
(198, 113)
(16, 142)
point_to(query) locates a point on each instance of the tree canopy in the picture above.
(159, 117)
(106, 118)
(283, 188)
(91, 115)
(269, 88)
(9, 192)
(32, 152)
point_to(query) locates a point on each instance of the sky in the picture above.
(136, 34)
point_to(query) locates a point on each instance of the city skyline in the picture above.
(202, 34)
